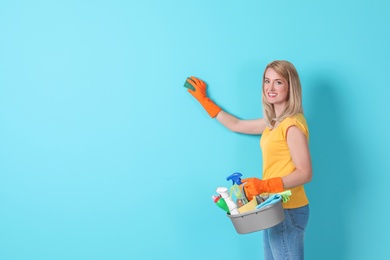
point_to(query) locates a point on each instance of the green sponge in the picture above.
(188, 85)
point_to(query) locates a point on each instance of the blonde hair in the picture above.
(294, 97)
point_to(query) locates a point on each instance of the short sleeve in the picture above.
(299, 121)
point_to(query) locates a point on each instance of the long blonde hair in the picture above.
(294, 98)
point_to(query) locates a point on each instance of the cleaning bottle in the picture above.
(220, 203)
(235, 189)
(223, 191)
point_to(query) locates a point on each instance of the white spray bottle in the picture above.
(223, 191)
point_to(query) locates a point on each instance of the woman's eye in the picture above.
(266, 81)
(279, 82)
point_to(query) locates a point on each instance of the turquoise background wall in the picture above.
(104, 155)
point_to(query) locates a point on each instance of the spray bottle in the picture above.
(223, 191)
(220, 202)
(235, 189)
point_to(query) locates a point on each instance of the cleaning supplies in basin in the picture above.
(235, 190)
(220, 202)
(223, 191)
(273, 199)
(251, 205)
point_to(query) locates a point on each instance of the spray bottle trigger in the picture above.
(235, 177)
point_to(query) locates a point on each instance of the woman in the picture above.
(286, 156)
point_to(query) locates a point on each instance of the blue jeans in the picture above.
(285, 240)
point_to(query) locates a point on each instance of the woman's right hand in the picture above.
(199, 86)
(201, 95)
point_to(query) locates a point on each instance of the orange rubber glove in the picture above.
(200, 94)
(255, 186)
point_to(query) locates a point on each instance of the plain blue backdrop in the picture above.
(104, 155)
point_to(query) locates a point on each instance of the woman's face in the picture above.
(275, 88)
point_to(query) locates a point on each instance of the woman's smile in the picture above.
(275, 88)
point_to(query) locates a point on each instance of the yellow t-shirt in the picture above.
(277, 161)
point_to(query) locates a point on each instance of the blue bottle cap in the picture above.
(235, 177)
